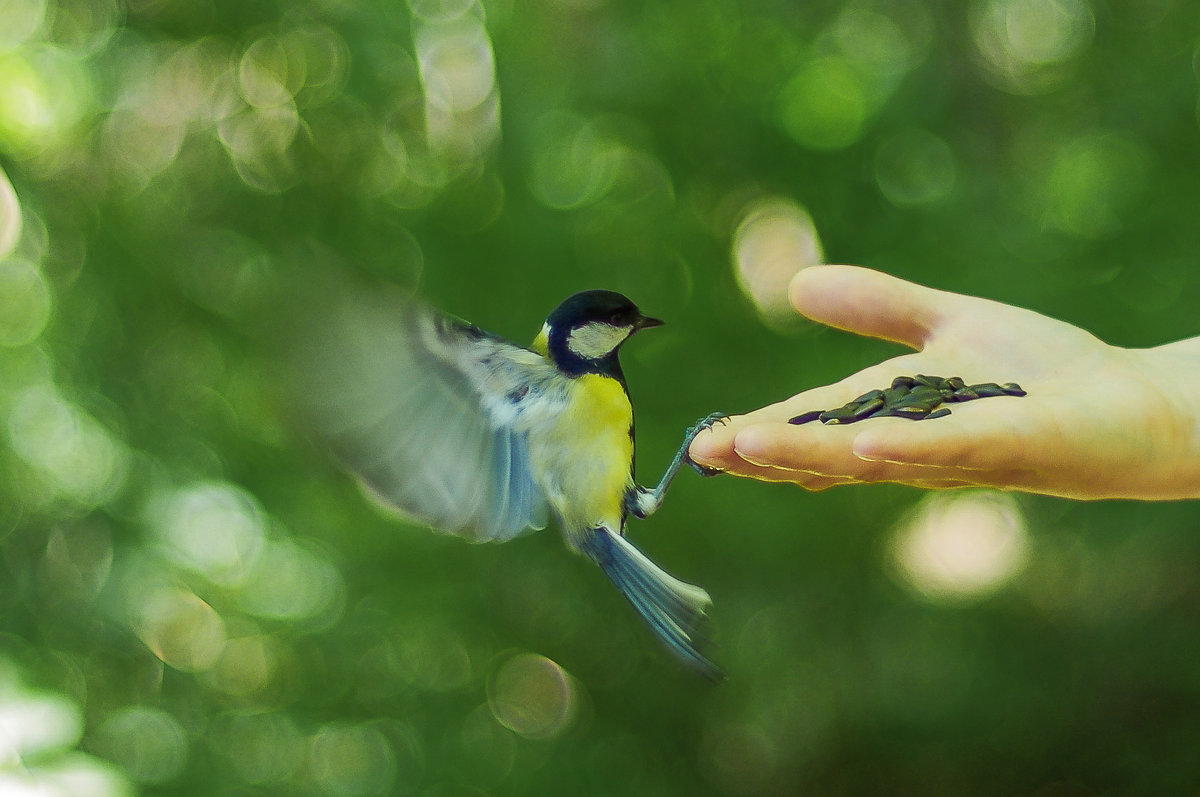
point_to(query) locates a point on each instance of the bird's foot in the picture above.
(707, 422)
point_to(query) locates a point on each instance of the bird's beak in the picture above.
(646, 321)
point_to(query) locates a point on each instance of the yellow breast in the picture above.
(601, 402)
(587, 454)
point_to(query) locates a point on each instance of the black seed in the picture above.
(917, 401)
(917, 398)
(869, 408)
(925, 392)
(914, 413)
(920, 396)
(806, 417)
(988, 390)
(837, 416)
(868, 396)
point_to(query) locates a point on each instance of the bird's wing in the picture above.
(432, 414)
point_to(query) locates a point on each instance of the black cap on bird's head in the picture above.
(584, 333)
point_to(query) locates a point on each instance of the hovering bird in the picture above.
(484, 438)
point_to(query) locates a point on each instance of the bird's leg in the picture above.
(642, 501)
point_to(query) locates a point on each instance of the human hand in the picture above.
(1099, 421)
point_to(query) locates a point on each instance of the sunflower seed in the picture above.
(916, 413)
(988, 390)
(868, 408)
(806, 417)
(837, 416)
(870, 395)
(919, 396)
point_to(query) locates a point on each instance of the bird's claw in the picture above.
(707, 422)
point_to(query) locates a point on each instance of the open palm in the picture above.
(1099, 421)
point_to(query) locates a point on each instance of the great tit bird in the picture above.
(484, 438)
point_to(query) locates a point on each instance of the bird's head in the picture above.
(585, 332)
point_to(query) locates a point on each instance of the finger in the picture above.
(713, 447)
(871, 303)
(828, 451)
(920, 476)
(1007, 479)
(812, 448)
(813, 482)
(977, 442)
(939, 484)
(831, 452)
(927, 477)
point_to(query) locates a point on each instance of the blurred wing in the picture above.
(432, 414)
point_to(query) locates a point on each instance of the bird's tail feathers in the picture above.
(674, 610)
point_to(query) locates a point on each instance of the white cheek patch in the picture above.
(593, 341)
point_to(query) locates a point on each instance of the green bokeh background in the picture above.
(195, 601)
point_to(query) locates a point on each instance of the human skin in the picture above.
(1099, 421)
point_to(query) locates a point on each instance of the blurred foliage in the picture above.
(196, 602)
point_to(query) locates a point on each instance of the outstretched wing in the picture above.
(432, 414)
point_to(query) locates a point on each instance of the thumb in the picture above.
(871, 303)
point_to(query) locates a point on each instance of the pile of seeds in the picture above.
(915, 397)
